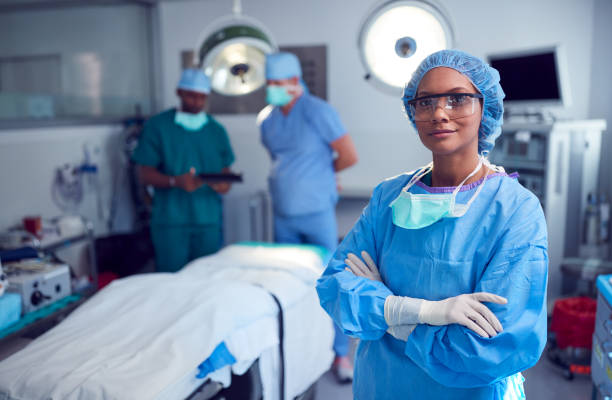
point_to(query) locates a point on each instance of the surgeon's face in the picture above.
(442, 132)
(191, 102)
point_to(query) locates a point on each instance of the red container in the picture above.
(105, 278)
(33, 224)
(573, 322)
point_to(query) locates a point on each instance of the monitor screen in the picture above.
(530, 77)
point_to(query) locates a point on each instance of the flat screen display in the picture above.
(528, 77)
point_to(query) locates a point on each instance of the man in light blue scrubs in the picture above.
(177, 145)
(308, 144)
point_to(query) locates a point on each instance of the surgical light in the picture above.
(396, 36)
(232, 52)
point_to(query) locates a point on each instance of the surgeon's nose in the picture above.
(439, 114)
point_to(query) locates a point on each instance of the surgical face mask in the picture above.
(191, 122)
(416, 211)
(278, 95)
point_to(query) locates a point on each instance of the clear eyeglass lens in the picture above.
(455, 106)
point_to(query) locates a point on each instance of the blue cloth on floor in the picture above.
(10, 309)
(220, 357)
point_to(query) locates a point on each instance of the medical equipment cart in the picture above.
(601, 359)
(558, 161)
(35, 323)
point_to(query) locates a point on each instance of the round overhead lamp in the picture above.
(232, 52)
(396, 36)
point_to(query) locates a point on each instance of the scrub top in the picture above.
(499, 246)
(173, 150)
(302, 180)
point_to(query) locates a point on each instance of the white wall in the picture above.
(387, 145)
(104, 50)
(386, 142)
(117, 37)
(104, 53)
(600, 101)
(29, 159)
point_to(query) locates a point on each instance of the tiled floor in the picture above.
(545, 381)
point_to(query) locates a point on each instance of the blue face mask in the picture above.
(278, 95)
(416, 211)
(191, 122)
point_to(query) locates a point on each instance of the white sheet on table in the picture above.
(308, 353)
(309, 337)
(84, 357)
(261, 265)
(152, 312)
(308, 330)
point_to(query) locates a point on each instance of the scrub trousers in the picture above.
(175, 246)
(319, 229)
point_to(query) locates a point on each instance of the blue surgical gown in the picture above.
(302, 180)
(498, 246)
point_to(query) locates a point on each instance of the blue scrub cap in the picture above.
(282, 66)
(483, 76)
(194, 80)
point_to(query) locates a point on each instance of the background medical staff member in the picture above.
(452, 302)
(177, 145)
(302, 133)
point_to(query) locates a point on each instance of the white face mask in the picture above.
(416, 211)
(189, 121)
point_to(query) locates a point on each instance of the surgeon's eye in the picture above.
(424, 103)
(457, 100)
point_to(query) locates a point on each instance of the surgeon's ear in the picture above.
(295, 80)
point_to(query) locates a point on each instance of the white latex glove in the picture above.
(400, 310)
(367, 270)
(401, 332)
(466, 310)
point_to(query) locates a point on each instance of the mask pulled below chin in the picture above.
(189, 121)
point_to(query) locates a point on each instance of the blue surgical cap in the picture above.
(194, 80)
(483, 76)
(282, 66)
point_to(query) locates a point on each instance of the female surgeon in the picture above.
(443, 277)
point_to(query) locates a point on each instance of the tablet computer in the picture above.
(221, 177)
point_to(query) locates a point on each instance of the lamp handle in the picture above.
(237, 8)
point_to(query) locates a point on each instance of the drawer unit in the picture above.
(603, 319)
(601, 367)
(601, 358)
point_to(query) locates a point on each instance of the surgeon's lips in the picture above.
(441, 133)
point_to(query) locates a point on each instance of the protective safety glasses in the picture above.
(455, 105)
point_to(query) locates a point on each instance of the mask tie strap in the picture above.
(454, 195)
(477, 191)
(418, 175)
(466, 206)
(496, 168)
